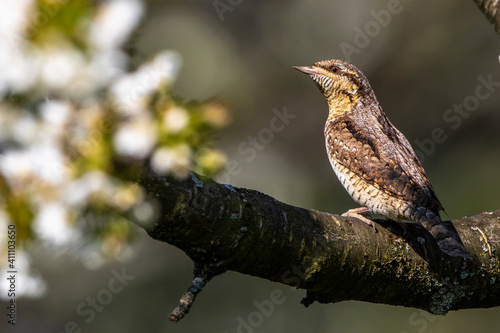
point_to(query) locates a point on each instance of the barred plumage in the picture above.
(372, 159)
(374, 162)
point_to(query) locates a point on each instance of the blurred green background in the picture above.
(428, 58)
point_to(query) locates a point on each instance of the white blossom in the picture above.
(131, 91)
(78, 191)
(13, 16)
(29, 282)
(114, 22)
(55, 115)
(52, 224)
(135, 138)
(40, 161)
(176, 160)
(175, 119)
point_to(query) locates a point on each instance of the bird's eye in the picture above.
(334, 69)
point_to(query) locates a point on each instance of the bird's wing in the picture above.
(376, 151)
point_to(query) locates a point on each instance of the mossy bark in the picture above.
(334, 258)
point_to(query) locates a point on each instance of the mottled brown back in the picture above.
(371, 147)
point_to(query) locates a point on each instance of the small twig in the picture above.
(201, 278)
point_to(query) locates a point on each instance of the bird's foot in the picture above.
(357, 213)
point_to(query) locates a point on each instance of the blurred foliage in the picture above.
(78, 126)
(426, 59)
(65, 20)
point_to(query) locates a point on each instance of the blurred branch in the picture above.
(490, 8)
(221, 227)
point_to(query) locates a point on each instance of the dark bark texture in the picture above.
(334, 258)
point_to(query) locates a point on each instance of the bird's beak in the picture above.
(309, 70)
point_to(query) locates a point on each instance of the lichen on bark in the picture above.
(334, 258)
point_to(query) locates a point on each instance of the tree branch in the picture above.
(335, 258)
(491, 8)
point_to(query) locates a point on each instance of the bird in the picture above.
(372, 159)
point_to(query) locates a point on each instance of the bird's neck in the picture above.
(341, 104)
(345, 103)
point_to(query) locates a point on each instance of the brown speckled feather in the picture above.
(368, 145)
(372, 159)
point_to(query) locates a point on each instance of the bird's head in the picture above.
(342, 84)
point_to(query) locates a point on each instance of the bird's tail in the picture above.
(445, 234)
